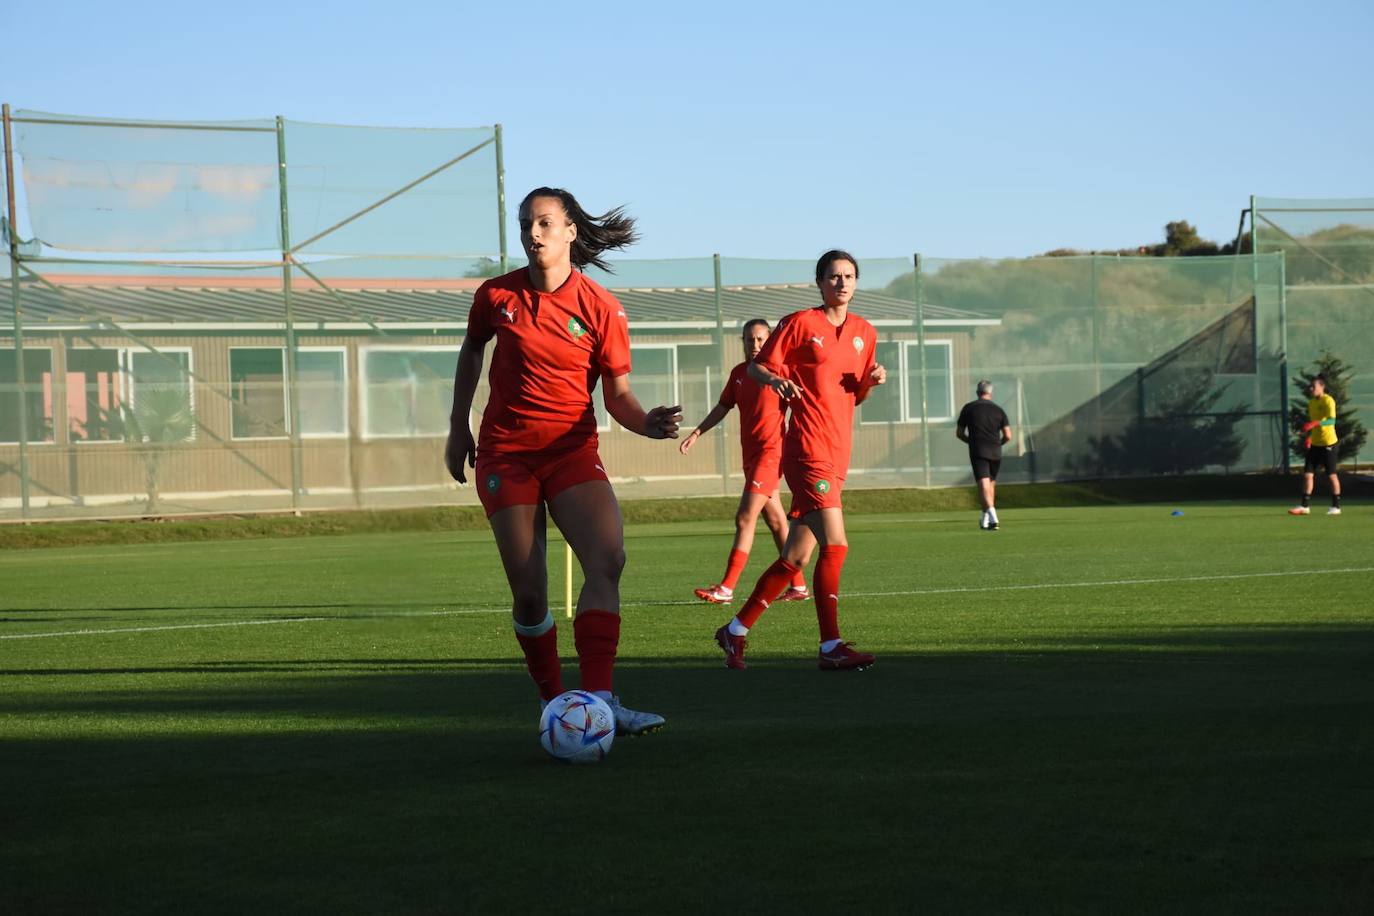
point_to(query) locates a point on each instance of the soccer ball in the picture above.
(577, 727)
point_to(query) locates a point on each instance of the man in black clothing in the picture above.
(985, 427)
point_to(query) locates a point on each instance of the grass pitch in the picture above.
(1091, 710)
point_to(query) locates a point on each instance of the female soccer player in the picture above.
(557, 333)
(821, 361)
(760, 436)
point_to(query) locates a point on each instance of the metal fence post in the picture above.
(1283, 358)
(722, 449)
(921, 362)
(20, 387)
(292, 394)
(501, 197)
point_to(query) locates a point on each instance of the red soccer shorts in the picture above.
(761, 474)
(529, 478)
(814, 485)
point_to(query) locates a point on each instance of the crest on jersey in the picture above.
(493, 483)
(576, 328)
(858, 344)
(822, 486)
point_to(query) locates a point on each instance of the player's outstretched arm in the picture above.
(621, 403)
(715, 416)
(876, 376)
(461, 447)
(785, 388)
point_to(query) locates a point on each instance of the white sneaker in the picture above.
(633, 722)
(1334, 510)
(1299, 510)
(983, 522)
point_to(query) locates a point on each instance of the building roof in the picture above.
(213, 303)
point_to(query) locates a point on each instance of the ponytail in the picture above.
(595, 234)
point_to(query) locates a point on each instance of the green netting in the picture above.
(98, 185)
(222, 383)
(1106, 367)
(1328, 252)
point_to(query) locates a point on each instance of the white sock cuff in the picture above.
(539, 629)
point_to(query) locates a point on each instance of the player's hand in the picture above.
(663, 422)
(785, 388)
(877, 375)
(460, 447)
(691, 439)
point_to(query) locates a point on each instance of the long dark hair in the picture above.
(595, 234)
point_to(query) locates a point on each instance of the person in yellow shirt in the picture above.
(1321, 448)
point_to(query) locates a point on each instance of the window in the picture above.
(38, 395)
(884, 403)
(939, 370)
(653, 380)
(258, 391)
(899, 401)
(102, 384)
(407, 392)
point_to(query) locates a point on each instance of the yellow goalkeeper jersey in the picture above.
(1318, 409)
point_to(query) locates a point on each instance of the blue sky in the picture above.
(779, 130)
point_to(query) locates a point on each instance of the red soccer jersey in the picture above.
(760, 413)
(831, 364)
(551, 348)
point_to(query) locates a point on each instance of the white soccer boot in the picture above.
(633, 722)
(1334, 510)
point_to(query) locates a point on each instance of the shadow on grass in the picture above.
(1224, 772)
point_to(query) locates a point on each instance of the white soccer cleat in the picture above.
(633, 722)
(1334, 510)
(983, 522)
(1299, 510)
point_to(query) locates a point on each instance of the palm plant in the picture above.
(160, 418)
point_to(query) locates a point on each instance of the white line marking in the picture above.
(1106, 582)
(1043, 585)
(1100, 583)
(251, 623)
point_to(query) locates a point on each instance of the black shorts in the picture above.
(985, 467)
(1320, 456)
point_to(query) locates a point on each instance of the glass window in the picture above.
(939, 372)
(408, 392)
(258, 385)
(257, 392)
(160, 394)
(700, 379)
(884, 403)
(38, 395)
(95, 394)
(653, 380)
(323, 392)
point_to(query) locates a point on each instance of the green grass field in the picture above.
(1093, 710)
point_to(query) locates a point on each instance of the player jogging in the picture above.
(1321, 448)
(821, 361)
(557, 333)
(985, 427)
(760, 436)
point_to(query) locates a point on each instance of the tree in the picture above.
(1187, 433)
(485, 267)
(1350, 432)
(159, 419)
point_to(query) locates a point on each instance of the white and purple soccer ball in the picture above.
(577, 727)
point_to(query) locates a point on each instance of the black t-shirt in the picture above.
(985, 422)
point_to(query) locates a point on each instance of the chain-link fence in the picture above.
(304, 360)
